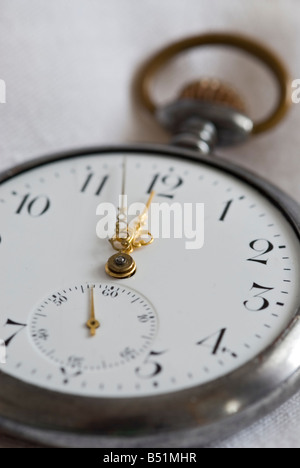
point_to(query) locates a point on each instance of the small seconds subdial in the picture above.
(127, 327)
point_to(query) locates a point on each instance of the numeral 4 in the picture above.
(214, 342)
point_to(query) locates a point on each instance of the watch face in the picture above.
(191, 313)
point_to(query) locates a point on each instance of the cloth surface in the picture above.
(68, 67)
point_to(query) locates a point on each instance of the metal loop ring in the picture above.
(150, 69)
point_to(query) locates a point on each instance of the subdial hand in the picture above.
(92, 323)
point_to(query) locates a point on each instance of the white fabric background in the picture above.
(69, 64)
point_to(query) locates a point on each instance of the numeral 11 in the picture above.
(90, 177)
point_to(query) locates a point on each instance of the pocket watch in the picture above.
(123, 344)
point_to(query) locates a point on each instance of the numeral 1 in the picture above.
(225, 211)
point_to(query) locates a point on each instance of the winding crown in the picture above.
(213, 90)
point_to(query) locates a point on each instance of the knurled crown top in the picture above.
(213, 90)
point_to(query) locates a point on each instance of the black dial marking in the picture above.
(263, 303)
(35, 207)
(226, 210)
(167, 182)
(16, 324)
(100, 183)
(262, 246)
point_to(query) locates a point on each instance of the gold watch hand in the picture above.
(146, 209)
(132, 237)
(139, 240)
(92, 323)
(127, 238)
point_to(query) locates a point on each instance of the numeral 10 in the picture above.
(35, 207)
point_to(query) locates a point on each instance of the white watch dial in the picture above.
(186, 317)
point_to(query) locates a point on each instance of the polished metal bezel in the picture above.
(192, 417)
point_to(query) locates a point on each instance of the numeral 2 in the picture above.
(262, 246)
